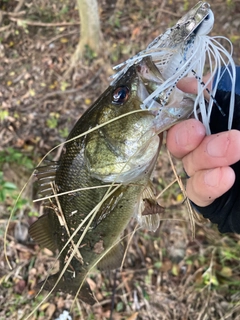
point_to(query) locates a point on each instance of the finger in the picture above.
(190, 85)
(207, 185)
(217, 150)
(185, 137)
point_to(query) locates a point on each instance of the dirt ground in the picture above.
(168, 274)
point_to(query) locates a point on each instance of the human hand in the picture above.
(206, 159)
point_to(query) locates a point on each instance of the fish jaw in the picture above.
(168, 106)
(179, 109)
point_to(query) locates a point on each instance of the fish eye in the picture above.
(207, 17)
(120, 95)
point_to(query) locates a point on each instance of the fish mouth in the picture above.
(149, 79)
(167, 106)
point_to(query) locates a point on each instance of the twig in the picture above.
(5, 28)
(12, 14)
(19, 6)
(62, 35)
(69, 91)
(42, 24)
(59, 92)
(170, 13)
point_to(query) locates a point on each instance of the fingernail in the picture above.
(218, 146)
(182, 136)
(211, 177)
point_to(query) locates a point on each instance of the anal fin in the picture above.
(112, 259)
(69, 285)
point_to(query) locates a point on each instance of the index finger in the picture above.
(217, 150)
(184, 137)
(190, 85)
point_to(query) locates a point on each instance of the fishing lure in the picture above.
(184, 50)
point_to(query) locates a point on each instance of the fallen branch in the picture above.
(2, 29)
(12, 14)
(19, 6)
(43, 24)
(61, 36)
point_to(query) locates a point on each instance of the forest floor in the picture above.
(169, 274)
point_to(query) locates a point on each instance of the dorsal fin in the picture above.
(112, 259)
(45, 177)
(43, 230)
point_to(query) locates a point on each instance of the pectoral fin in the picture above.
(112, 259)
(43, 230)
(149, 211)
(151, 214)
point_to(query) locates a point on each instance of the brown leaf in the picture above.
(20, 286)
(133, 316)
(50, 311)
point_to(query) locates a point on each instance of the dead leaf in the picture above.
(20, 286)
(133, 316)
(50, 310)
(44, 306)
(135, 33)
(226, 272)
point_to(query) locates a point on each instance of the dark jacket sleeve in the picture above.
(225, 211)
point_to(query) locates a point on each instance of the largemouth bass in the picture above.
(103, 177)
(123, 152)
